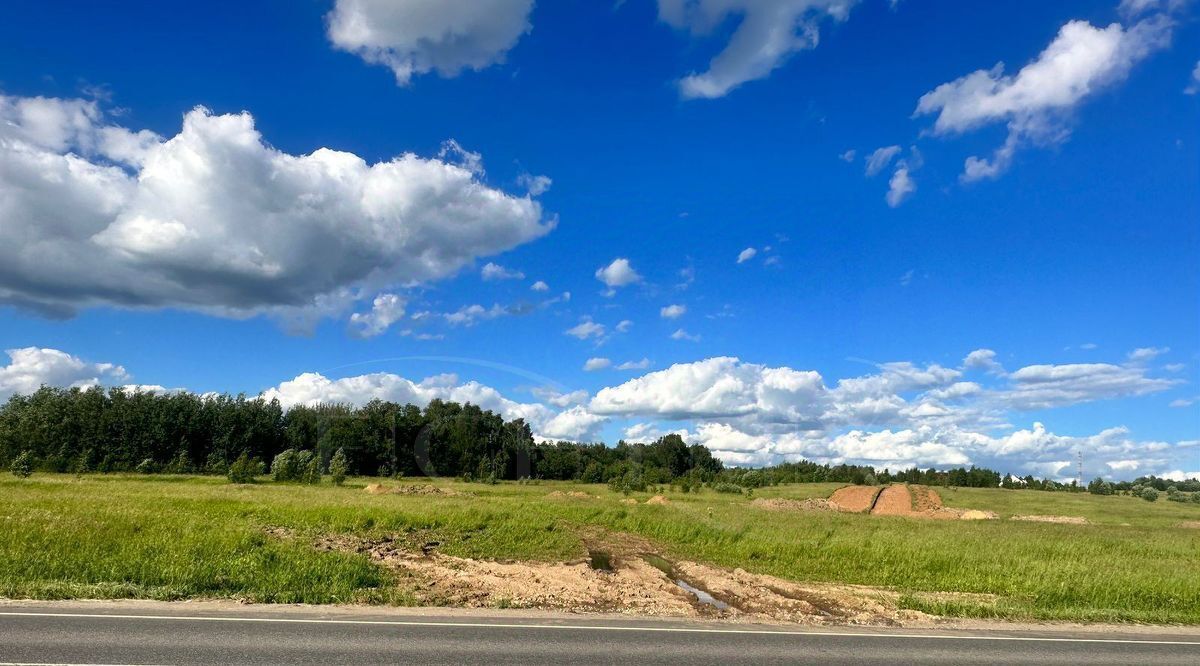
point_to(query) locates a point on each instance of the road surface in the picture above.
(32, 633)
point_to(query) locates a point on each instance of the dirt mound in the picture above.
(854, 499)
(634, 578)
(895, 500)
(925, 499)
(780, 504)
(658, 500)
(1190, 524)
(1066, 520)
(416, 489)
(921, 502)
(574, 494)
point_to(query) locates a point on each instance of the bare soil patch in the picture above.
(895, 500)
(658, 500)
(780, 504)
(854, 499)
(1066, 520)
(925, 498)
(573, 494)
(412, 489)
(635, 578)
(1190, 524)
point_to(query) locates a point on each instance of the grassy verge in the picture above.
(184, 537)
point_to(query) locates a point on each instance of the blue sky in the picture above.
(229, 256)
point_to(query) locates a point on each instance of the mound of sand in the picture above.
(658, 500)
(1066, 520)
(894, 500)
(925, 499)
(1190, 524)
(854, 499)
(416, 489)
(574, 494)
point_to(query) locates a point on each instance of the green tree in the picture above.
(245, 468)
(312, 471)
(337, 468)
(22, 465)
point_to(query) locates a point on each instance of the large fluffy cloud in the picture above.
(572, 422)
(313, 388)
(716, 387)
(1042, 386)
(903, 414)
(414, 37)
(30, 368)
(214, 219)
(1037, 101)
(769, 31)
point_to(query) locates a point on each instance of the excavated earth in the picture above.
(1065, 520)
(620, 573)
(893, 500)
(854, 499)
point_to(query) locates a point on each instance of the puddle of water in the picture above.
(702, 596)
(659, 563)
(600, 560)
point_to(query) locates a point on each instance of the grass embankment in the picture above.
(182, 537)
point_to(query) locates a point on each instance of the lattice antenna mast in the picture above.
(1079, 466)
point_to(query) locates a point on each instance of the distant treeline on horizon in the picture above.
(116, 430)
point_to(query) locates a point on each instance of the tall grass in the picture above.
(186, 537)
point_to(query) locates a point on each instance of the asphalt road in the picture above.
(40, 634)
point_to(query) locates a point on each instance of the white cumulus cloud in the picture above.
(1037, 101)
(674, 311)
(413, 37)
(215, 220)
(494, 271)
(767, 33)
(596, 363)
(31, 367)
(386, 310)
(619, 273)
(881, 158)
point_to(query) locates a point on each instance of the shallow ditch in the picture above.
(702, 596)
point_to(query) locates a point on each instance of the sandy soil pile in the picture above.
(658, 500)
(854, 499)
(1066, 520)
(416, 489)
(894, 500)
(927, 503)
(574, 494)
(1190, 524)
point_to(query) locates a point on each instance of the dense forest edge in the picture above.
(76, 430)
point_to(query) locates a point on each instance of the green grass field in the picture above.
(159, 537)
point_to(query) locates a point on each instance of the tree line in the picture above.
(118, 430)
